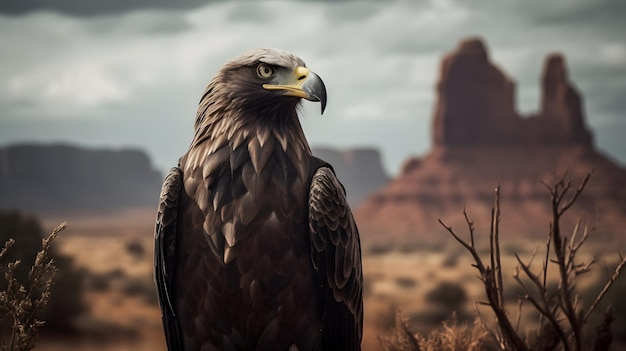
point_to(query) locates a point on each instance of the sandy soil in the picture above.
(123, 314)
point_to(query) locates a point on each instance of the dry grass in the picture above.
(451, 336)
(20, 302)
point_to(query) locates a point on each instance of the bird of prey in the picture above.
(255, 245)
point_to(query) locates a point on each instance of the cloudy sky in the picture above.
(124, 73)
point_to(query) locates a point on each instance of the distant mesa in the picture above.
(56, 178)
(59, 178)
(359, 169)
(480, 140)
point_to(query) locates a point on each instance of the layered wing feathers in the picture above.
(336, 256)
(165, 244)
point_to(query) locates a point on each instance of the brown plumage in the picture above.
(255, 245)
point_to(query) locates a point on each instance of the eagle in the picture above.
(256, 247)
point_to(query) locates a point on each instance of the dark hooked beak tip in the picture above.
(315, 89)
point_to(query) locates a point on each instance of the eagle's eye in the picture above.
(264, 71)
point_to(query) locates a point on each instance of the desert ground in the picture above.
(426, 281)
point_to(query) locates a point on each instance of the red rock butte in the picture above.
(480, 140)
(476, 106)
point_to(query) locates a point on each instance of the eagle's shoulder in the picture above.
(336, 256)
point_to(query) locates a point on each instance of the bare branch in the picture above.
(487, 277)
(479, 263)
(496, 261)
(545, 311)
(574, 247)
(518, 319)
(607, 286)
(578, 191)
(470, 224)
(559, 307)
(560, 194)
(562, 258)
(533, 277)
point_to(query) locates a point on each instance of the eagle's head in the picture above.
(262, 85)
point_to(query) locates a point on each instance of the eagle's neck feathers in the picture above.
(244, 169)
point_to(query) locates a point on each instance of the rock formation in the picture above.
(474, 100)
(561, 104)
(360, 170)
(475, 104)
(54, 178)
(480, 140)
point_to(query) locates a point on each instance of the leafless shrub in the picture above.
(561, 317)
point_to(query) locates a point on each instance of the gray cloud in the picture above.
(133, 78)
(594, 13)
(146, 24)
(93, 8)
(110, 7)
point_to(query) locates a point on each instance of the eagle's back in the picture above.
(244, 279)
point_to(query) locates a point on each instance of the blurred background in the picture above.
(431, 105)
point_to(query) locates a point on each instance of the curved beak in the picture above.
(302, 83)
